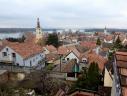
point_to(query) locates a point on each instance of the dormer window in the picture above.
(84, 60)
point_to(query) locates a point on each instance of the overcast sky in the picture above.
(64, 13)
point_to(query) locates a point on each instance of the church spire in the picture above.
(105, 30)
(105, 27)
(38, 23)
(39, 33)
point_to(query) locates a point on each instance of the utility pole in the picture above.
(60, 61)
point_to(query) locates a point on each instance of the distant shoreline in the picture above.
(15, 30)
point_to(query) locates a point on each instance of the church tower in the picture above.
(39, 33)
(105, 30)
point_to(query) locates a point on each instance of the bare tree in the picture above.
(42, 83)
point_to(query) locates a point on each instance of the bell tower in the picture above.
(105, 30)
(39, 33)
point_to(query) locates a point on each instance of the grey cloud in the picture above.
(63, 13)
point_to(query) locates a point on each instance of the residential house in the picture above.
(72, 55)
(116, 75)
(68, 71)
(71, 70)
(121, 35)
(121, 68)
(26, 53)
(108, 39)
(91, 56)
(22, 54)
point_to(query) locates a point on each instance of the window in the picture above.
(4, 54)
(84, 61)
(17, 64)
(67, 59)
(6, 49)
(75, 60)
(71, 74)
(13, 55)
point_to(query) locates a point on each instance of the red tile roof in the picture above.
(121, 53)
(25, 49)
(93, 57)
(108, 37)
(88, 44)
(74, 50)
(62, 50)
(51, 57)
(121, 58)
(69, 66)
(51, 48)
(65, 50)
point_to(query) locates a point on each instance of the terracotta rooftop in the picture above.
(1, 47)
(75, 51)
(121, 58)
(52, 57)
(65, 67)
(62, 50)
(108, 37)
(69, 66)
(88, 44)
(25, 49)
(121, 53)
(51, 48)
(93, 57)
(81, 49)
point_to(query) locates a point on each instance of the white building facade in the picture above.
(7, 54)
(71, 56)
